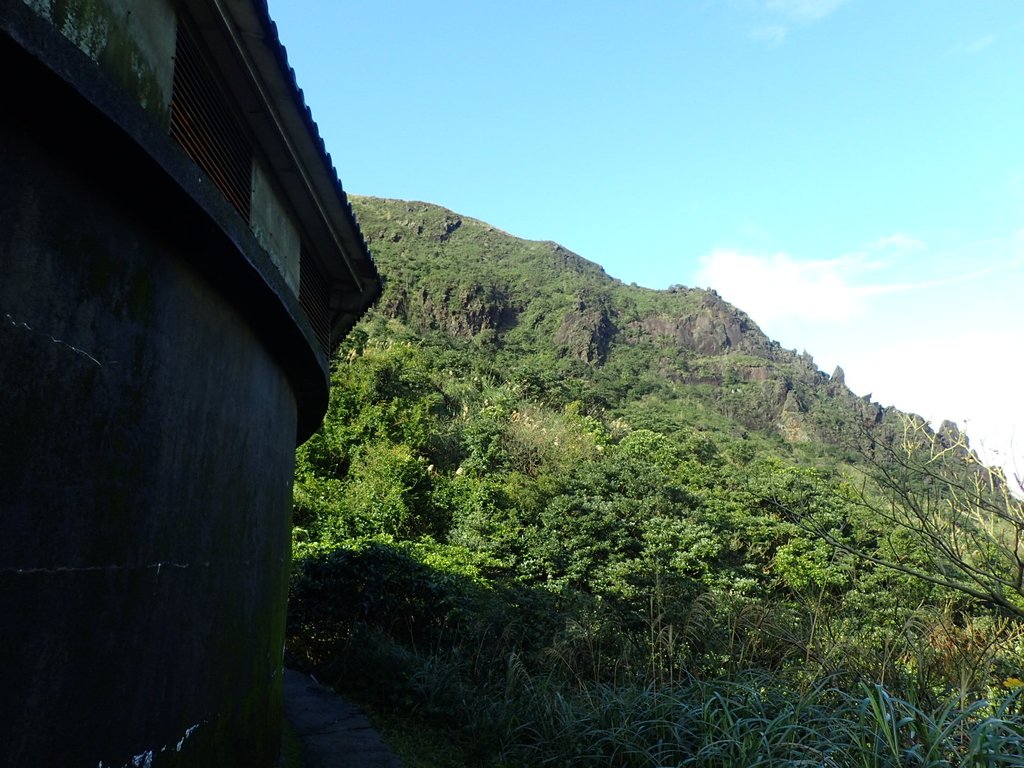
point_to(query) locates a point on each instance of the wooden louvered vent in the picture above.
(203, 124)
(314, 295)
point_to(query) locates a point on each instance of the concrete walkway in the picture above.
(334, 733)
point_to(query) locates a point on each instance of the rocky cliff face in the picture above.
(714, 327)
(586, 331)
(459, 310)
(453, 275)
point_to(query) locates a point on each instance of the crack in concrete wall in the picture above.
(58, 342)
(145, 759)
(157, 566)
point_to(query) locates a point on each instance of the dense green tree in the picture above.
(535, 484)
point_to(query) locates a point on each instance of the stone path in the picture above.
(334, 733)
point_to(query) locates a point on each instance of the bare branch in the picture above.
(967, 524)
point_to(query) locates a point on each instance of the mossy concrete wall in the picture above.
(132, 40)
(147, 431)
(273, 227)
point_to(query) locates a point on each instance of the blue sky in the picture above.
(849, 172)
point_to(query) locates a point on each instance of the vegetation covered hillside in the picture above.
(555, 519)
(556, 322)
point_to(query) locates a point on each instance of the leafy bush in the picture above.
(539, 518)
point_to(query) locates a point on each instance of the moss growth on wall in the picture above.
(291, 748)
(132, 41)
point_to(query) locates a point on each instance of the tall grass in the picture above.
(561, 690)
(518, 718)
(754, 722)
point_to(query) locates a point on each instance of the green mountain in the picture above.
(537, 309)
(553, 519)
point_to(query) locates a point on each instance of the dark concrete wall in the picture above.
(147, 429)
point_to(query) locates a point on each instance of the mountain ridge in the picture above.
(536, 486)
(462, 278)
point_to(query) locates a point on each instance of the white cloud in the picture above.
(778, 286)
(897, 241)
(773, 35)
(907, 322)
(965, 277)
(977, 46)
(971, 378)
(804, 10)
(778, 15)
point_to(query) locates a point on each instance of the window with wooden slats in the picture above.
(203, 123)
(314, 296)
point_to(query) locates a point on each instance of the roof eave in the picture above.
(289, 139)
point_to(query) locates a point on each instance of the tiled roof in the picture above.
(273, 41)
